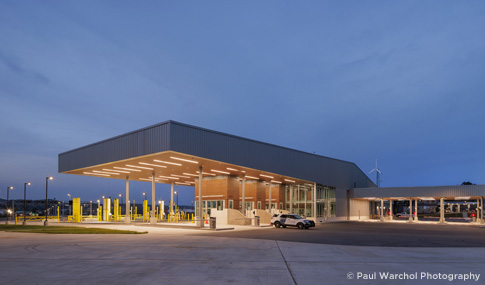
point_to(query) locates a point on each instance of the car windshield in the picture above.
(296, 217)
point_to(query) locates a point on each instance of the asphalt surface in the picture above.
(372, 234)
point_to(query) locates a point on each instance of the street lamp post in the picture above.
(176, 193)
(46, 222)
(69, 195)
(8, 212)
(121, 198)
(25, 205)
(91, 208)
(145, 194)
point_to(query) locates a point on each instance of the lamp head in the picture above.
(28, 183)
(10, 188)
(50, 178)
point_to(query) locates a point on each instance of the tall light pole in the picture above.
(46, 222)
(8, 212)
(145, 194)
(121, 197)
(176, 193)
(25, 195)
(90, 209)
(69, 195)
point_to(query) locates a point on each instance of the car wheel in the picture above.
(300, 226)
(277, 224)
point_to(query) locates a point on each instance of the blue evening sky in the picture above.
(400, 81)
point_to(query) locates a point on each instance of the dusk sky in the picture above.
(398, 81)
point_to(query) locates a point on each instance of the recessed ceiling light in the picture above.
(116, 170)
(167, 162)
(182, 159)
(129, 169)
(251, 177)
(218, 171)
(168, 177)
(266, 176)
(150, 164)
(135, 166)
(179, 176)
(96, 174)
(104, 172)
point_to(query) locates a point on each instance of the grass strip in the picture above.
(62, 230)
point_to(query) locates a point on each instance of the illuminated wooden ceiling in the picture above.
(182, 169)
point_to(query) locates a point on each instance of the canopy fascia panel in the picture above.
(214, 147)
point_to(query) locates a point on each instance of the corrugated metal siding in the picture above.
(218, 146)
(434, 191)
(249, 153)
(145, 141)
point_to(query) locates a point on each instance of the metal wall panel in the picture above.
(432, 191)
(217, 146)
(272, 158)
(149, 140)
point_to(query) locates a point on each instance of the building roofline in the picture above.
(207, 130)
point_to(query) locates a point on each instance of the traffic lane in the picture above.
(371, 234)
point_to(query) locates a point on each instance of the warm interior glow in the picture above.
(274, 181)
(150, 164)
(293, 181)
(191, 161)
(167, 162)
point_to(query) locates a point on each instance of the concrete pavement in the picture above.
(180, 256)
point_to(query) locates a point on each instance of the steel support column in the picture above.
(269, 201)
(172, 213)
(243, 193)
(153, 218)
(291, 197)
(442, 211)
(391, 215)
(382, 210)
(416, 209)
(201, 217)
(127, 205)
(410, 210)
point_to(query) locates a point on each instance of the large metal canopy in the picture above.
(452, 192)
(174, 152)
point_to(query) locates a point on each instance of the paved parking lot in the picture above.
(245, 256)
(394, 234)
